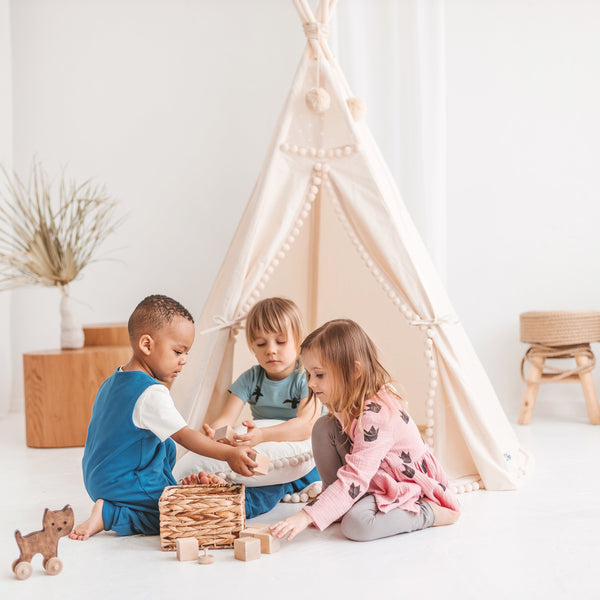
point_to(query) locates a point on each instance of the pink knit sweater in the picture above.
(388, 459)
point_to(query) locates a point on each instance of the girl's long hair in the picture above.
(350, 356)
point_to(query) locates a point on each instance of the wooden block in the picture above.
(259, 526)
(60, 388)
(246, 548)
(106, 334)
(187, 548)
(268, 543)
(263, 463)
(224, 433)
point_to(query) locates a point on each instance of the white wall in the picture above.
(523, 179)
(172, 103)
(6, 159)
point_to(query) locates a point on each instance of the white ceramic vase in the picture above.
(71, 331)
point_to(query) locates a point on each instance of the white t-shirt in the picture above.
(155, 411)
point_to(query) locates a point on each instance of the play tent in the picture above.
(325, 226)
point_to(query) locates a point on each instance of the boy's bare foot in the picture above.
(441, 514)
(202, 478)
(93, 525)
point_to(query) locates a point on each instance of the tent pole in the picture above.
(313, 275)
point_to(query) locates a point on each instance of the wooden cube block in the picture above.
(263, 463)
(246, 548)
(187, 548)
(268, 543)
(259, 526)
(224, 433)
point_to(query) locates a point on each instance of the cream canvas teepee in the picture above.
(326, 226)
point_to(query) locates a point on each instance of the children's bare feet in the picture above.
(202, 478)
(441, 514)
(92, 526)
(190, 480)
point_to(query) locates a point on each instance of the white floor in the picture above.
(542, 541)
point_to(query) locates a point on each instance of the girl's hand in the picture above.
(209, 431)
(252, 437)
(289, 528)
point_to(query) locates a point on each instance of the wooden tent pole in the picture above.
(314, 258)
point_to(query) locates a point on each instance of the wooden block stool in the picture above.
(559, 335)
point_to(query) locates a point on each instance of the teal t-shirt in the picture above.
(270, 399)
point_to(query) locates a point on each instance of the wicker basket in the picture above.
(213, 514)
(560, 328)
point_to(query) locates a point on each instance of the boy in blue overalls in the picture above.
(129, 452)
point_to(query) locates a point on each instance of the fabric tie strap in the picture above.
(446, 319)
(222, 323)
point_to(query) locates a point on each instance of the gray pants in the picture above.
(363, 522)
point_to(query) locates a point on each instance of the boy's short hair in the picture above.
(273, 315)
(153, 313)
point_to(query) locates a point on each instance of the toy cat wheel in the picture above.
(22, 569)
(53, 566)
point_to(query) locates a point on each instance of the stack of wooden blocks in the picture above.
(254, 541)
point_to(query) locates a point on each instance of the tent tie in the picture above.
(315, 30)
(222, 323)
(446, 319)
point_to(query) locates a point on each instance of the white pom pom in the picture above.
(293, 461)
(303, 497)
(318, 100)
(285, 462)
(295, 498)
(278, 464)
(358, 108)
(315, 489)
(287, 498)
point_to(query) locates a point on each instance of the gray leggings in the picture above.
(363, 522)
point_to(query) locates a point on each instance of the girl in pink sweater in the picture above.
(378, 474)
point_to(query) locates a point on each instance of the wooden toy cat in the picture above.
(56, 524)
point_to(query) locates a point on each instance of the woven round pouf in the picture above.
(559, 335)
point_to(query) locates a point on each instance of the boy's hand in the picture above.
(240, 462)
(252, 437)
(289, 528)
(209, 431)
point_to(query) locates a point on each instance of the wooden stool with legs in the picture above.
(559, 335)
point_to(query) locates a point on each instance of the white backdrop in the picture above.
(172, 103)
(6, 353)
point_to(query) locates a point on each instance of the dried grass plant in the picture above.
(47, 238)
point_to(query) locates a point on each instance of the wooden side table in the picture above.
(60, 388)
